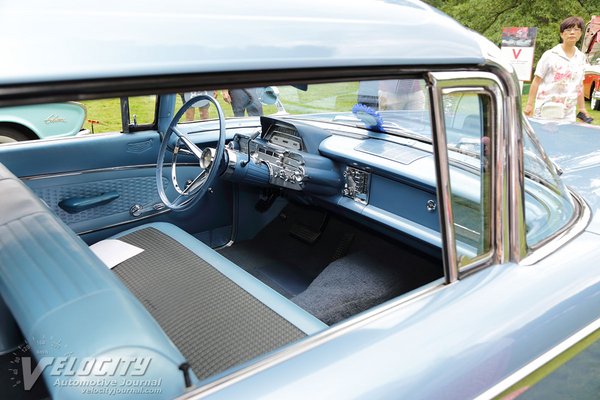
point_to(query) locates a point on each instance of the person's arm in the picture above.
(581, 103)
(226, 96)
(533, 89)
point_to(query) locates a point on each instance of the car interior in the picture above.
(249, 235)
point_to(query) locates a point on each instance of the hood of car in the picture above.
(75, 42)
(575, 148)
(592, 69)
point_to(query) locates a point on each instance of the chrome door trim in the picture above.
(97, 170)
(442, 172)
(540, 361)
(129, 221)
(488, 84)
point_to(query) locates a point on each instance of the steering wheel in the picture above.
(209, 159)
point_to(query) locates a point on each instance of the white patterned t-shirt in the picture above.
(562, 81)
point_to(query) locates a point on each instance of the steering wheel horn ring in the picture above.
(209, 159)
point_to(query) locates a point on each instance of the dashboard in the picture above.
(277, 155)
(380, 179)
(389, 183)
(284, 136)
(385, 182)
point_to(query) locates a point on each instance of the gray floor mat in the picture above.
(358, 282)
(348, 270)
(279, 258)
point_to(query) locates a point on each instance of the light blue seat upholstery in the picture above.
(178, 302)
(67, 303)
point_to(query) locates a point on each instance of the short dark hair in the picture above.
(571, 22)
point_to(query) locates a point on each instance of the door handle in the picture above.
(74, 205)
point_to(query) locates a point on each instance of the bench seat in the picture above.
(55, 287)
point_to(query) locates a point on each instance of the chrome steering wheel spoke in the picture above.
(209, 160)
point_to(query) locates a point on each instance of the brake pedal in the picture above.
(304, 233)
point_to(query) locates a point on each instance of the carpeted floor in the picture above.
(329, 266)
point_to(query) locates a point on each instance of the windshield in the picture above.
(549, 206)
(399, 106)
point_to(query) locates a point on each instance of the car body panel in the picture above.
(571, 148)
(590, 46)
(591, 80)
(46, 120)
(264, 25)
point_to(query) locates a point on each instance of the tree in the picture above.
(488, 17)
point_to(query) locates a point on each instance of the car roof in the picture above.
(70, 40)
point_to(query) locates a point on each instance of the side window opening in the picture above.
(77, 118)
(468, 121)
(121, 114)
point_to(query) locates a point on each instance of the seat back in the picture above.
(55, 287)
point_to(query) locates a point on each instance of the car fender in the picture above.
(47, 120)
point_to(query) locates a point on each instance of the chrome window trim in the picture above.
(515, 247)
(540, 361)
(315, 340)
(489, 84)
(52, 139)
(515, 124)
(442, 173)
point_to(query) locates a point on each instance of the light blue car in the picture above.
(380, 220)
(41, 121)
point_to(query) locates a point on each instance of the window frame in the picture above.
(127, 126)
(440, 84)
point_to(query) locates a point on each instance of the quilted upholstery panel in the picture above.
(138, 190)
(41, 266)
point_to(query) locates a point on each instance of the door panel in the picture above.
(83, 153)
(122, 165)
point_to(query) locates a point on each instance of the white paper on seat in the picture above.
(113, 252)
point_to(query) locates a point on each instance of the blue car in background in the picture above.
(381, 221)
(41, 121)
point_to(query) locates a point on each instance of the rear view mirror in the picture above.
(269, 95)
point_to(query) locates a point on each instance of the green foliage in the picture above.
(488, 17)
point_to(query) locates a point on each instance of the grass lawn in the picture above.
(105, 115)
